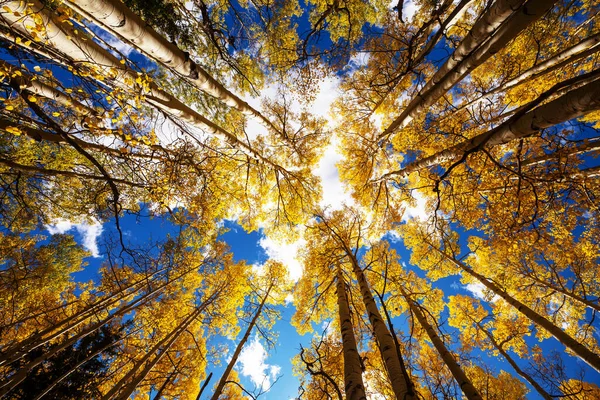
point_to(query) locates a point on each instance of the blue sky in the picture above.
(255, 248)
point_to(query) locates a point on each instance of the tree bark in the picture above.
(573, 104)
(239, 347)
(576, 52)
(121, 21)
(459, 375)
(353, 383)
(387, 347)
(61, 36)
(513, 364)
(503, 21)
(572, 344)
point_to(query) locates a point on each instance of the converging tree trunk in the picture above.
(240, 346)
(582, 351)
(459, 375)
(353, 383)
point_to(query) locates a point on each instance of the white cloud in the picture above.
(419, 210)
(252, 362)
(285, 253)
(334, 193)
(119, 45)
(409, 8)
(479, 291)
(89, 232)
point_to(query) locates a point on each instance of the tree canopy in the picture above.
(453, 251)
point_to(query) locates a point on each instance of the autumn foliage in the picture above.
(463, 263)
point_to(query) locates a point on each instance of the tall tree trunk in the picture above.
(61, 36)
(353, 383)
(576, 52)
(121, 21)
(126, 386)
(387, 347)
(582, 351)
(513, 364)
(427, 48)
(22, 373)
(573, 104)
(19, 350)
(459, 375)
(492, 31)
(35, 86)
(239, 347)
(58, 380)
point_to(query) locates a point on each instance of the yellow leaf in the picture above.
(56, 114)
(32, 98)
(37, 68)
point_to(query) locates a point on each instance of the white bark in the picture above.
(500, 24)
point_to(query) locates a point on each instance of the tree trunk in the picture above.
(121, 21)
(353, 383)
(387, 347)
(513, 364)
(500, 24)
(163, 346)
(239, 347)
(18, 351)
(459, 375)
(41, 89)
(573, 104)
(576, 52)
(61, 36)
(582, 352)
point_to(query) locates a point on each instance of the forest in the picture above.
(385, 200)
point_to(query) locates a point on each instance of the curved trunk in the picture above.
(582, 351)
(492, 31)
(353, 383)
(573, 104)
(459, 375)
(400, 382)
(239, 347)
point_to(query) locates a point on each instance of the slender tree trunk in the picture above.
(204, 384)
(79, 364)
(582, 351)
(513, 364)
(353, 383)
(123, 389)
(455, 14)
(164, 385)
(459, 375)
(387, 347)
(576, 52)
(121, 21)
(61, 36)
(22, 373)
(19, 350)
(239, 347)
(573, 104)
(492, 31)
(26, 82)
